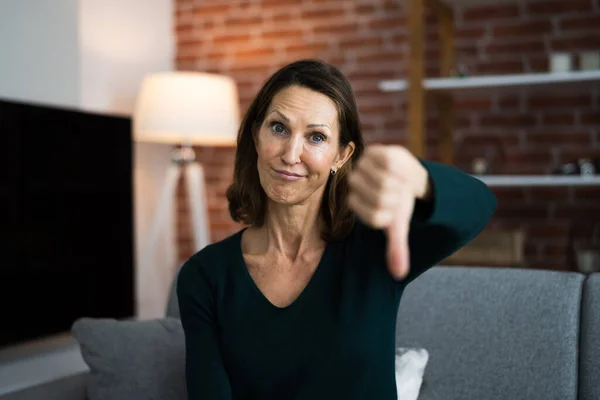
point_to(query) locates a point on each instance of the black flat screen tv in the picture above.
(66, 219)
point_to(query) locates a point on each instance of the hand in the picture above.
(383, 189)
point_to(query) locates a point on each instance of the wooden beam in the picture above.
(445, 108)
(416, 92)
(447, 69)
(439, 7)
(446, 30)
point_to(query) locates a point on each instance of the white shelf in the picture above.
(494, 81)
(538, 180)
(472, 3)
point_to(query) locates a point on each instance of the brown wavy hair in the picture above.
(247, 199)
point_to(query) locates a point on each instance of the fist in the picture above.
(383, 188)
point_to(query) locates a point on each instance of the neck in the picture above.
(292, 229)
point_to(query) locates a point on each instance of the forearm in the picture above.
(459, 207)
(422, 183)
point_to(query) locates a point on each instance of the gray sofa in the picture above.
(491, 334)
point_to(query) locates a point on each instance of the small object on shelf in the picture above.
(479, 166)
(502, 247)
(571, 168)
(588, 260)
(587, 252)
(561, 62)
(587, 167)
(461, 70)
(589, 60)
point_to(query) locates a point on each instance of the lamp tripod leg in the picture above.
(194, 176)
(157, 281)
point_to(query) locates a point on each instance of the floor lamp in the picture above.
(184, 109)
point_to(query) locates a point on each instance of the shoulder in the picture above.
(210, 262)
(219, 251)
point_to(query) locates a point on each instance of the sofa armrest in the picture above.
(68, 388)
(49, 368)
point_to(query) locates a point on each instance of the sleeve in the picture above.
(206, 377)
(460, 208)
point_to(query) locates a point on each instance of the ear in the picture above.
(344, 154)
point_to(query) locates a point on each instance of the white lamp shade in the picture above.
(187, 107)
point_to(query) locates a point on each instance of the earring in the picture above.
(333, 171)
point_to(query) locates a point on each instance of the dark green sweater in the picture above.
(337, 339)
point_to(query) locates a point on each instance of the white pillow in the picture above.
(410, 367)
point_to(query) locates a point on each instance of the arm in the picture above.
(454, 208)
(206, 377)
(425, 210)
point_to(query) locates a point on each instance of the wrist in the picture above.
(423, 190)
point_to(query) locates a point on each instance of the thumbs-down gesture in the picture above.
(383, 188)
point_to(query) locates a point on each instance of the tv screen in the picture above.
(66, 219)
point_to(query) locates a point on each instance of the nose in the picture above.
(292, 150)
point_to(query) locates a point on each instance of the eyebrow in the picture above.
(286, 119)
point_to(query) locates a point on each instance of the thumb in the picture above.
(398, 257)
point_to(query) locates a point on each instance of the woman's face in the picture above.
(298, 146)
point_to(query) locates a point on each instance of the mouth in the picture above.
(287, 175)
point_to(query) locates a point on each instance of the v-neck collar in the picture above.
(304, 293)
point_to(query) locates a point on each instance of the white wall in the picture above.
(92, 55)
(39, 52)
(120, 41)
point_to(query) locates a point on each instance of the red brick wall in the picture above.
(531, 131)
(524, 132)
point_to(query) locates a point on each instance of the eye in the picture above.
(277, 127)
(317, 138)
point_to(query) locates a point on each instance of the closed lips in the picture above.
(288, 173)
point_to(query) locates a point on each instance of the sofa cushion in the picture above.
(146, 360)
(133, 359)
(494, 333)
(589, 384)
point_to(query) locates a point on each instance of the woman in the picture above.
(302, 303)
